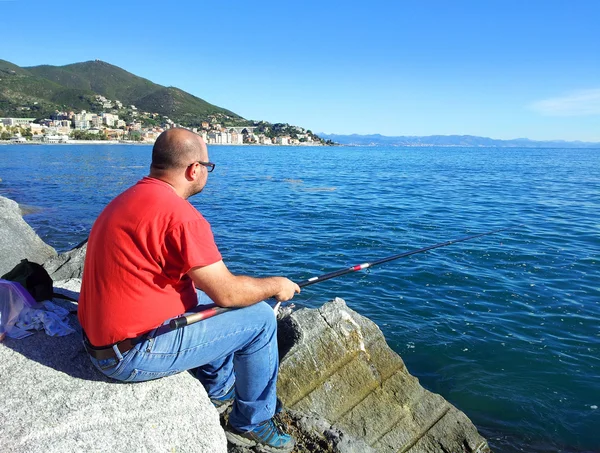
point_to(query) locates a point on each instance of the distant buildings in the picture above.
(23, 122)
(110, 119)
(108, 125)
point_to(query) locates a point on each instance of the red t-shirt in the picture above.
(139, 251)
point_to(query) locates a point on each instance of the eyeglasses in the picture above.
(209, 165)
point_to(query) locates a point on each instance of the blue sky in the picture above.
(502, 69)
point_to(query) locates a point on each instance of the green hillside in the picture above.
(61, 76)
(7, 66)
(24, 94)
(99, 77)
(189, 109)
(39, 90)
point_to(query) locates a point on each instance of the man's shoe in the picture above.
(266, 436)
(223, 403)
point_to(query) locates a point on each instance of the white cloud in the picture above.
(578, 103)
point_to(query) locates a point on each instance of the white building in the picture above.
(56, 139)
(18, 139)
(97, 121)
(82, 120)
(215, 138)
(17, 121)
(110, 119)
(36, 128)
(59, 130)
(306, 137)
(236, 138)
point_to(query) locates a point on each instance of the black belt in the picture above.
(108, 352)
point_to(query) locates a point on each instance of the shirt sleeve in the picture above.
(188, 245)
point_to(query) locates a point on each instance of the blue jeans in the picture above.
(236, 347)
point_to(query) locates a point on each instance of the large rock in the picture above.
(67, 265)
(340, 368)
(55, 401)
(17, 238)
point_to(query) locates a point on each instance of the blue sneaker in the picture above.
(267, 437)
(222, 403)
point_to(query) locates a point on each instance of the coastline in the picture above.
(117, 142)
(346, 145)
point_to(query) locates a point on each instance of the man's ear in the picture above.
(191, 172)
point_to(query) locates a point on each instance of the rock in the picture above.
(55, 401)
(319, 435)
(67, 265)
(339, 368)
(17, 239)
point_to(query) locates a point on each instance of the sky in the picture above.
(495, 68)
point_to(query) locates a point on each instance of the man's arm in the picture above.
(228, 290)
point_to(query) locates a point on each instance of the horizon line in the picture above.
(459, 135)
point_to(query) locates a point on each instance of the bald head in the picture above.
(175, 158)
(176, 149)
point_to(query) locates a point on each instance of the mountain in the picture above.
(38, 91)
(22, 93)
(451, 140)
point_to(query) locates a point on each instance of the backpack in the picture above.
(35, 279)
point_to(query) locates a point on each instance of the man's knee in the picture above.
(265, 313)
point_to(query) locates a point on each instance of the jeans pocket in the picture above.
(108, 367)
(113, 367)
(141, 375)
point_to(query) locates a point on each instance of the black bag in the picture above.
(34, 278)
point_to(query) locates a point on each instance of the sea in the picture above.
(506, 326)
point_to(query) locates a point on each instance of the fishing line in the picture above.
(216, 310)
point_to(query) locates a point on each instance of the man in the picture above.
(147, 253)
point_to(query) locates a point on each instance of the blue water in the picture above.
(506, 327)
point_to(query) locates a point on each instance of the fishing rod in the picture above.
(208, 311)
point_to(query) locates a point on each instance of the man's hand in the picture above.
(230, 291)
(288, 289)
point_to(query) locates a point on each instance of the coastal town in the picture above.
(114, 122)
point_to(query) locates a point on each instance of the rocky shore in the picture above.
(345, 390)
